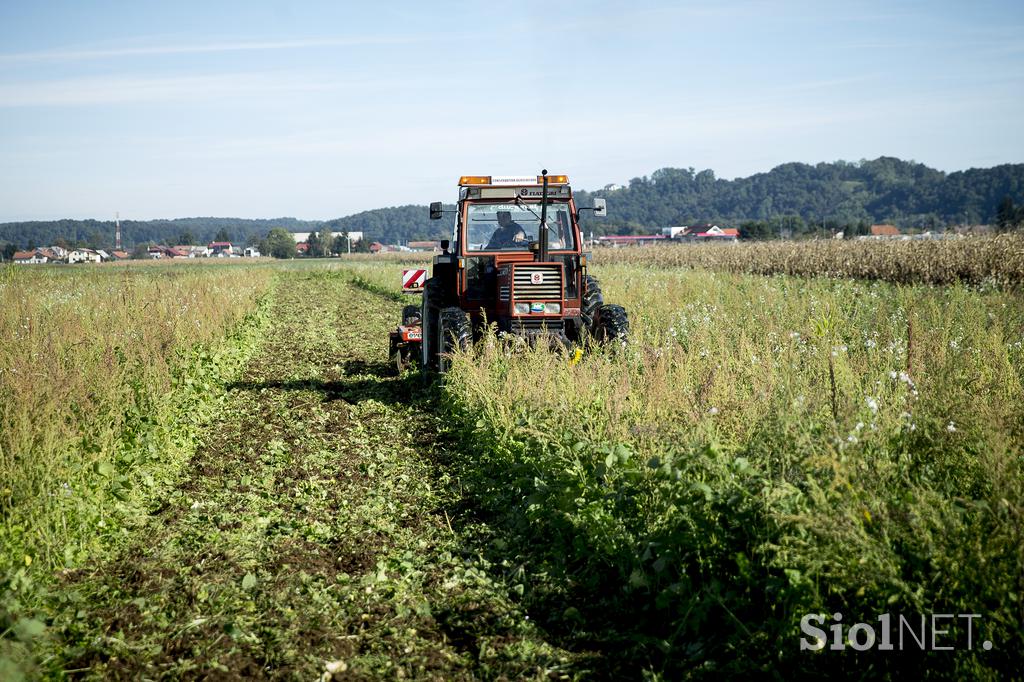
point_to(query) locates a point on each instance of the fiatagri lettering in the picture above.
(919, 632)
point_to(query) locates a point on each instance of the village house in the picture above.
(885, 231)
(29, 257)
(220, 249)
(714, 233)
(702, 231)
(631, 239)
(159, 251)
(192, 251)
(83, 255)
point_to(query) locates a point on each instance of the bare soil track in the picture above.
(312, 527)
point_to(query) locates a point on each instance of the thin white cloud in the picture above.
(122, 89)
(195, 90)
(60, 55)
(826, 84)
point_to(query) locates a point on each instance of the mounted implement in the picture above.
(405, 339)
(515, 259)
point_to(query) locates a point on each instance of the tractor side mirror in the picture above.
(600, 208)
(435, 210)
(444, 245)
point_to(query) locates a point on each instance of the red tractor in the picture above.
(516, 259)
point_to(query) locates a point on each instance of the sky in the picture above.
(323, 109)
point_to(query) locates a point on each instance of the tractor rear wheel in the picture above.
(453, 333)
(613, 324)
(433, 299)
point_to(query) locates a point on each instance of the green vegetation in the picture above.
(280, 244)
(766, 447)
(85, 372)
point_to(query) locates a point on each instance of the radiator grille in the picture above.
(536, 324)
(526, 290)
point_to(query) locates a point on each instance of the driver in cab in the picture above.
(508, 234)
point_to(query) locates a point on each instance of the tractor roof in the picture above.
(510, 180)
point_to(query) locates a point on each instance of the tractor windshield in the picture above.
(511, 227)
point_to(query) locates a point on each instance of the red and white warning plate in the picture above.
(413, 279)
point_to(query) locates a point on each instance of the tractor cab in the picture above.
(516, 255)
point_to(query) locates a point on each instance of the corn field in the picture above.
(997, 260)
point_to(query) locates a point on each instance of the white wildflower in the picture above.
(872, 404)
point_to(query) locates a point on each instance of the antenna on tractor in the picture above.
(542, 252)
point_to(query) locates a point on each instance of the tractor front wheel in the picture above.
(590, 308)
(612, 324)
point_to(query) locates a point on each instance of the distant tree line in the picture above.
(395, 225)
(795, 198)
(99, 234)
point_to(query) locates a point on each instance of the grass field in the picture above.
(259, 495)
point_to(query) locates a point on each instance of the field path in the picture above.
(312, 529)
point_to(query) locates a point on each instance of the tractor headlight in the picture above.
(522, 309)
(552, 308)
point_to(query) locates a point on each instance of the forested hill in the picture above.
(886, 189)
(396, 224)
